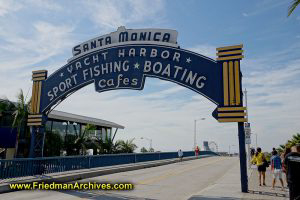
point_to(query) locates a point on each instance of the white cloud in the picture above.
(46, 4)
(7, 7)
(164, 93)
(19, 52)
(266, 5)
(47, 40)
(109, 14)
(204, 49)
(11, 6)
(282, 77)
(273, 102)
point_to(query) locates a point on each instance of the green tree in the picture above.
(6, 106)
(106, 146)
(291, 142)
(78, 143)
(117, 147)
(69, 145)
(144, 150)
(53, 144)
(83, 140)
(293, 6)
(20, 116)
(294, 140)
(281, 148)
(6, 110)
(128, 146)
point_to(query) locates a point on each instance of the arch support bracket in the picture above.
(36, 119)
(231, 108)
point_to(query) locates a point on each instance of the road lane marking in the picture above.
(175, 172)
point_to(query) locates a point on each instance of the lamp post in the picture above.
(195, 127)
(255, 140)
(247, 115)
(67, 126)
(150, 140)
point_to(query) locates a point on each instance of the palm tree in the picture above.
(83, 139)
(296, 138)
(128, 146)
(107, 146)
(293, 141)
(20, 116)
(293, 6)
(144, 150)
(117, 147)
(281, 148)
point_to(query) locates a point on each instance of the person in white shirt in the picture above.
(180, 155)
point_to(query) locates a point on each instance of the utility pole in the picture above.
(195, 121)
(195, 131)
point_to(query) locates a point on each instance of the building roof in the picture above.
(55, 114)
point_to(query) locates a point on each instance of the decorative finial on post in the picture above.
(232, 109)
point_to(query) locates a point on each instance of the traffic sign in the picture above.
(248, 140)
(247, 129)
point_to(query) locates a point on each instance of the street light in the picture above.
(195, 124)
(150, 140)
(255, 140)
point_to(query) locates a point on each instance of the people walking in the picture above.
(197, 151)
(284, 167)
(292, 162)
(276, 167)
(259, 159)
(180, 155)
(273, 149)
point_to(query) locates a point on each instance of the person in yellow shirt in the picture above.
(258, 159)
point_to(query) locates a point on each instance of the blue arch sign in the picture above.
(124, 59)
(126, 67)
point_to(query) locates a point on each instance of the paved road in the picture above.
(174, 181)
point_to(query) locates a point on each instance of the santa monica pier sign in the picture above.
(125, 58)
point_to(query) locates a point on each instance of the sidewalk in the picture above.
(229, 187)
(266, 192)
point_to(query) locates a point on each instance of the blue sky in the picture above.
(37, 34)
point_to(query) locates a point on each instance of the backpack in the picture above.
(266, 164)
